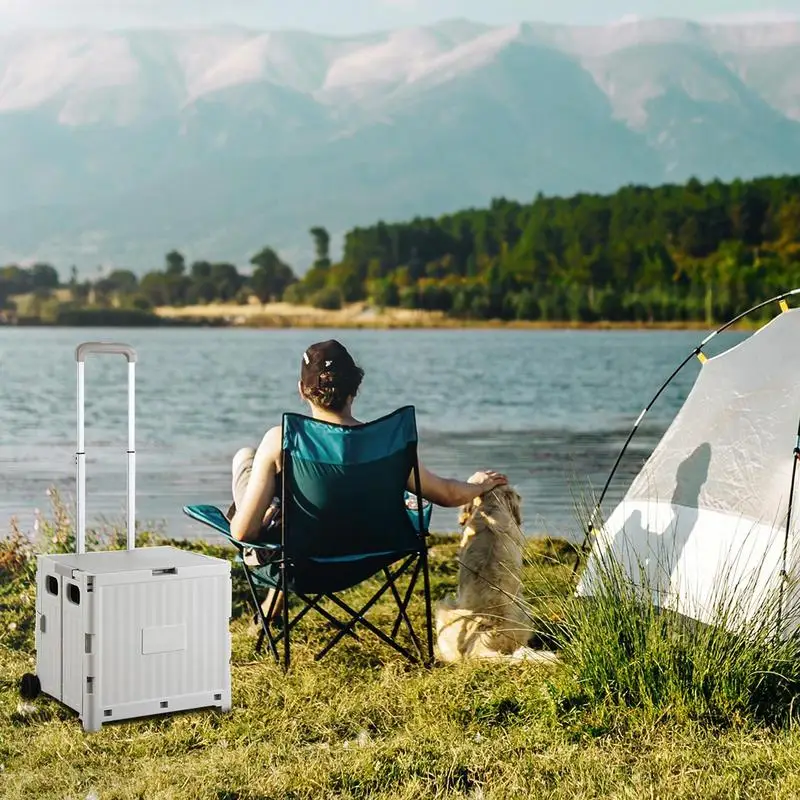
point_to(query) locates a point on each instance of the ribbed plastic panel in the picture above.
(134, 633)
(147, 635)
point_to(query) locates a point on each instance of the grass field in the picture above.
(630, 713)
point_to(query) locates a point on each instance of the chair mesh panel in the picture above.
(345, 493)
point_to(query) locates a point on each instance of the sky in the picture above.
(339, 17)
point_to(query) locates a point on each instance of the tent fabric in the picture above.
(704, 522)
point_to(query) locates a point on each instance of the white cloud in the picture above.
(351, 15)
(122, 12)
(316, 15)
(628, 19)
(754, 17)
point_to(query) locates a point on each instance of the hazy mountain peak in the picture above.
(70, 66)
(390, 61)
(124, 144)
(467, 56)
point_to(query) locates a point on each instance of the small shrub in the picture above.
(140, 303)
(295, 294)
(329, 299)
(383, 293)
(16, 553)
(57, 533)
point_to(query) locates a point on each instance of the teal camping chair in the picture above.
(344, 520)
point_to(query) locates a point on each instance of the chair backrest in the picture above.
(344, 486)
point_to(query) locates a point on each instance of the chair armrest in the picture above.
(214, 518)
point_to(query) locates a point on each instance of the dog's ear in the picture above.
(466, 511)
(514, 504)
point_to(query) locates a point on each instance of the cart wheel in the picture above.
(30, 686)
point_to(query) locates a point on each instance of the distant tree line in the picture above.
(674, 253)
(698, 251)
(176, 284)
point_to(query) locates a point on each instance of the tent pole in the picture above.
(783, 574)
(696, 353)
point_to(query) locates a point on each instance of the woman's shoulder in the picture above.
(272, 440)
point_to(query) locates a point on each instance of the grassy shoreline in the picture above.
(273, 316)
(362, 316)
(364, 724)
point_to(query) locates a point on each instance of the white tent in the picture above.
(704, 524)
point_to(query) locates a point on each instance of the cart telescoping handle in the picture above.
(106, 348)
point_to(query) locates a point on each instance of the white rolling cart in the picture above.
(129, 633)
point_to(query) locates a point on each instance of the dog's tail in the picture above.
(449, 629)
(462, 636)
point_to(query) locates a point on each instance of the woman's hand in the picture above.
(493, 479)
(488, 479)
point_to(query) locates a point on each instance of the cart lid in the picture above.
(142, 558)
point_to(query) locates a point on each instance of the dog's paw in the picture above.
(444, 613)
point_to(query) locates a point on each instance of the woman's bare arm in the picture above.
(248, 519)
(452, 493)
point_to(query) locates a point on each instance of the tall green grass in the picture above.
(621, 651)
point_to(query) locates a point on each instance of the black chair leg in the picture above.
(356, 617)
(286, 626)
(407, 599)
(264, 633)
(428, 611)
(425, 652)
(402, 612)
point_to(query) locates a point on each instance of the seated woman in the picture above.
(329, 382)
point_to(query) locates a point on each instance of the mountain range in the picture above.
(118, 146)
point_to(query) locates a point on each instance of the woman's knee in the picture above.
(241, 467)
(243, 457)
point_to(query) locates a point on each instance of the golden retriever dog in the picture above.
(487, 618)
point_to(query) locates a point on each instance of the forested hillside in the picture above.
(691, 252)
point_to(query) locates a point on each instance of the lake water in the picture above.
(549, 408)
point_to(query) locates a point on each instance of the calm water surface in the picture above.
(549, 408)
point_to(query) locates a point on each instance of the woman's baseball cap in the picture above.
(327, 357)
